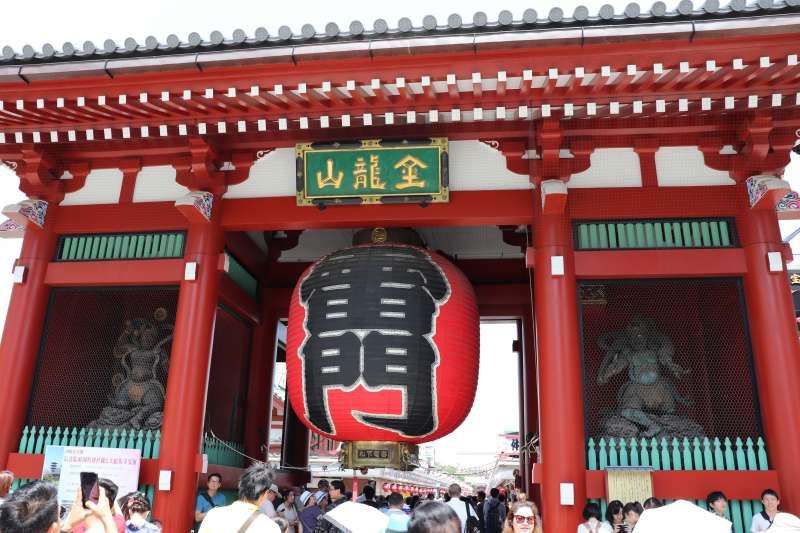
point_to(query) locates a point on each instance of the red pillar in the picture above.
(21, 339)
(519, 347)
(259, 389)
(531, 403)
(187, 381)
(776, 350)
(560, 377)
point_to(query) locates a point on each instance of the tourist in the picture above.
(632, 512)
(323, 499)
(461, 507)
(480, 508)
(505, 503)
(652, 503)
(136, 509)
(93, 523)
(6, 479)
(268, 505)
(336, 493)
(323, 485)
(369, 497)
(94, 518)
(523, 518)
(209, 498)
(615, 518)
(395, 509)
(311, 511)
(494, 512)
(244, 514)
(592, 520)
(763, 520)
(33, 508)
(717, 503)
(435, 517)
(288, 511)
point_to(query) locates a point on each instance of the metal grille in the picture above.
(104, 357)
(667, 359)
(649, 234)
(228, 379)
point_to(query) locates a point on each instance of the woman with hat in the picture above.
(311, 511)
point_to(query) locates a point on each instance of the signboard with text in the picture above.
(372, 171)
(63, 465)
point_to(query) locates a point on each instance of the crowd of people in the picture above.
(34, 508)
(262, 507)
(622, 518)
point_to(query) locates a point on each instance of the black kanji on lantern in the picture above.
(370, 315)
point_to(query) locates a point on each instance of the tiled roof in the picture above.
(405, 28)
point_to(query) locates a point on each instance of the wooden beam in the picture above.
(110, 273)
(618, 264)
(466, 208)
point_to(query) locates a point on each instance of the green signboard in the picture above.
(372, 171)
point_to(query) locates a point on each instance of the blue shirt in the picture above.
(203, 506)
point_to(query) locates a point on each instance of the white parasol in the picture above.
(785, 523)
(357, 518)
(681, 516)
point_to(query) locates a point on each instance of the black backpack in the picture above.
(493, 524)
(472, 525)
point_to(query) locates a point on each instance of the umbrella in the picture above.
(785, 523)
(357, 518)
(683, 515)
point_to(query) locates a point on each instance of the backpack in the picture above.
(493, 524)
(472, 525)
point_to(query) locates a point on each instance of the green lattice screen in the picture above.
(104, 247)
(650, 234)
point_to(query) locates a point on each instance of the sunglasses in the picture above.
(520, 519)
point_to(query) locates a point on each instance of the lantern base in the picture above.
(379, 454)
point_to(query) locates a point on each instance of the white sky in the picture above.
(57, 21)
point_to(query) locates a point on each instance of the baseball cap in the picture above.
(274, 488)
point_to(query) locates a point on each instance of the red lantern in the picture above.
(382, 345)
(386, 486)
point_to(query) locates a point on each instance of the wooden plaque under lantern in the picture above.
(379, 454)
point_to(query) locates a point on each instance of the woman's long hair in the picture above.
(508, 527)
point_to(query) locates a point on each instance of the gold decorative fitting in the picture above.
(379, 235)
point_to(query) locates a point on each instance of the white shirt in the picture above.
(268, 508)
(759, 524)
(461, 510)
(602, 527)
(230, 518)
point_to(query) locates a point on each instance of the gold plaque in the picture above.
(379, 454)
(629, 484)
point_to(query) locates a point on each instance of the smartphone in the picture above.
(90, 489)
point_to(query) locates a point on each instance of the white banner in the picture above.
(63, 465)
